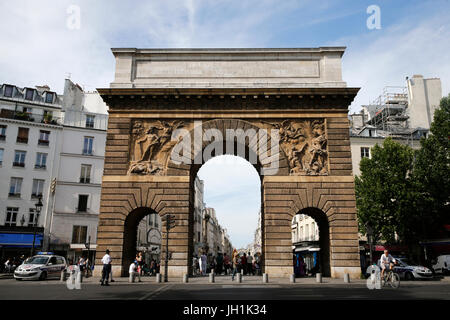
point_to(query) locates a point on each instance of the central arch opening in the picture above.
(311, 243)
(226, 209)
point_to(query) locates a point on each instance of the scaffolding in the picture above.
(390, 110)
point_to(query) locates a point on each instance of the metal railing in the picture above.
(31, 117)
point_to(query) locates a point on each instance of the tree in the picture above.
(383, 190)
(432, 173)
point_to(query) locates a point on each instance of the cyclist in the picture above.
(386, 261)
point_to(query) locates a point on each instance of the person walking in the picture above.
(106, 260)
(235, 261)
(226, 263)
(249, 264)
(140, 264)
(219, 265)
(244, 263)
(204, 265)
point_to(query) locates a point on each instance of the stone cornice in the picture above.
(229, 99)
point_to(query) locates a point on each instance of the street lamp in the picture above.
(39, 206)
(207, 217)
(170, 224)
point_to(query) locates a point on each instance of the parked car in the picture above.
(408, 270)
(442, 264)
(41, 267)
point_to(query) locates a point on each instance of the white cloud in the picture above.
(386, 57)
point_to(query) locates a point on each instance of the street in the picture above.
(199, 289)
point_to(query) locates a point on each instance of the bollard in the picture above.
(131, 278)
(346, 278)
(239, 278)
(185, 278)
(242, 271)
(265, 278)
(318, 277)
(158, 278)
(292, 278)
(211, 277)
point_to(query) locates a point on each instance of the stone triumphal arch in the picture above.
(168, 108)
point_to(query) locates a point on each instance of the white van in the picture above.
(442, 264)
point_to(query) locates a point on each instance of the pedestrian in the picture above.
(134, 271)
(153, 267)
(82, 265)
(203, 265)
(8, 265)
(249, 264)
(106, 260)
(219, 263)
(194, 265)
(244, 263)
(226, 263)
(235, 261)
(140, 264)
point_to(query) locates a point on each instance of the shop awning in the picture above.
(20, 240)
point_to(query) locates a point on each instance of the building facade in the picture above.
(76, 202)
(31, 127)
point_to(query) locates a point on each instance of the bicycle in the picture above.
(391, 277)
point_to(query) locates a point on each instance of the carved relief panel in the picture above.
(304, 143)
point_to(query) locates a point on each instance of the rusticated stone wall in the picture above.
(324, 190)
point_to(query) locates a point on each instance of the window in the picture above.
(82, 202)
(88, 144)
(301, 233)
(8, 91)
(79, 234)
(15, 187)
(49, 97)
(29, 93)
(41, 161)
(198, 236)
(11, 217)
(44, 138)
(2, 132)
(38, 187)
(19, 159)
(27, 110)
(85, 176)
(1, 156)
(90, 121)
(33, 218)
(365, 152)
(22, 135)
(307, 232)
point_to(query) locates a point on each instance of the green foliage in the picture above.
(406, 192)
(382, 190)
(431, 171)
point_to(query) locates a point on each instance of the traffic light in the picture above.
(169, 221)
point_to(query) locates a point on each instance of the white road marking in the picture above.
(156, 292)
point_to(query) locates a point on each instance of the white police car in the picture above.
(410, 271)
(42, 266)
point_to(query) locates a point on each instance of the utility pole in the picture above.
(170, 224)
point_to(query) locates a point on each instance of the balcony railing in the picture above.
(14, 195)
(43, 142)
(85, 180)
(31, 117)
(19, 164)
(41, 167)
(22, 140)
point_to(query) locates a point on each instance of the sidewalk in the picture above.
(222, 280)
(6, 276)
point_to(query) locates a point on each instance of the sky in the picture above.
(43, 43)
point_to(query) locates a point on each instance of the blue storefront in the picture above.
(15, 244)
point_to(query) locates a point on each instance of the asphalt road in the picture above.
(54, 290)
